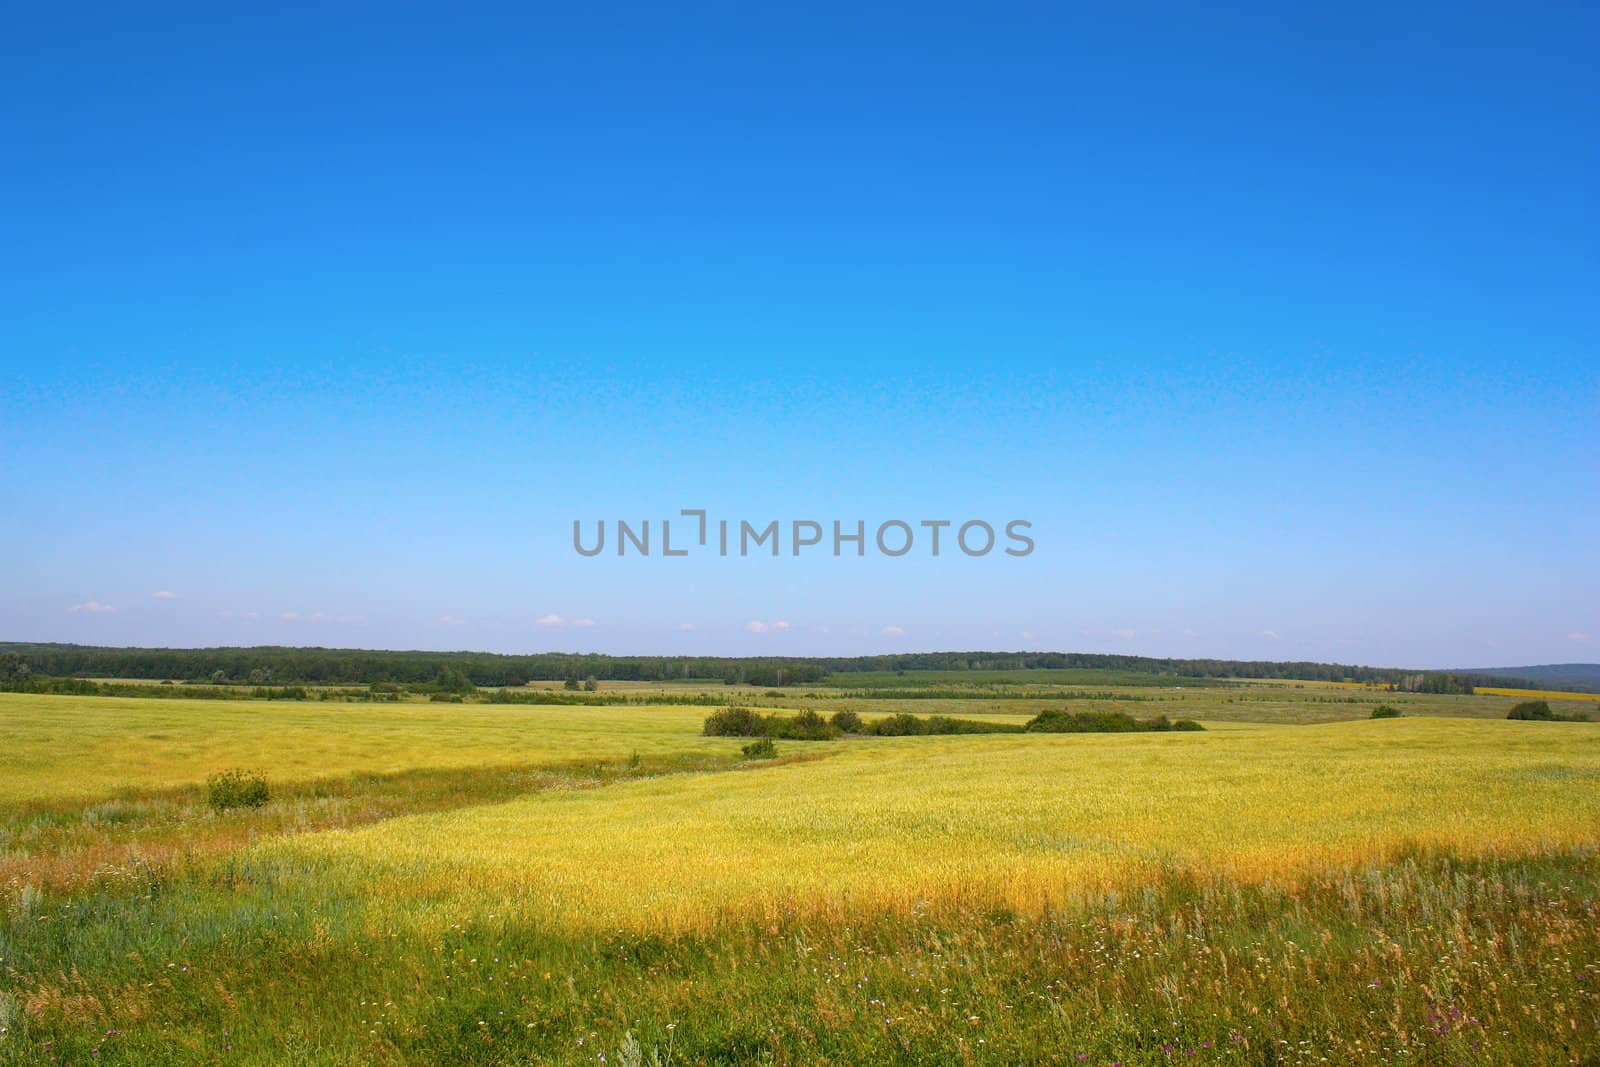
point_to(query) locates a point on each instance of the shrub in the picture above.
(804, 726)
(901, 725)
(735, 722)
(1061, 721)
(846, 721)
(1539, 711)
(944, 724)
(1385, 711)
(236, 789)
(762, 749)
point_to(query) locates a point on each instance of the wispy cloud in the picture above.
(318, 616)
(1271, 635)
(686, 627)
(893, 631)
(550, 620)
(582, 623)
(1189, 631)
(777, 626)
(164, 594)
(90, 607)
(230, 614)
(1578, 635)
(1127, 633)
(451, 620)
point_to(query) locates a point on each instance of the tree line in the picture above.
(278, 665)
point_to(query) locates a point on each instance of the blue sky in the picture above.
(1279, 326)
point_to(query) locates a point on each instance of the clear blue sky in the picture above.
(1281, 326)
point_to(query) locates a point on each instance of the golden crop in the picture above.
(1020, 820)
(63, 747)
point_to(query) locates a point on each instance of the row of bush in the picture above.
(807, 725)
(1061, 721)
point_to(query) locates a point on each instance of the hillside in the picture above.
(1584, 677)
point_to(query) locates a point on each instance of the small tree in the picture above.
(590, 684)
(846, 721)
(570, 683)
(453, 680)
(1536, 710)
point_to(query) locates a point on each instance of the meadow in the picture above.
(513, 884)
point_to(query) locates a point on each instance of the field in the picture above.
(510, 884)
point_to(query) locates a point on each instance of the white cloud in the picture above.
(1190, 632)
(583, 622)
(1577, 635)
(550, 620)
(893, 631)
(318, 616)
(1271, 635)
(230, 614)
(686, 626)
(777, 626)
(92, 607)
(1027, 635)
(1127, 633)
(165, 594)
(451, 620)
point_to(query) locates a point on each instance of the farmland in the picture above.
(508, 883)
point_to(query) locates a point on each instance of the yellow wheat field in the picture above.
(1537, 694)
(1024, 820)
(55, 748)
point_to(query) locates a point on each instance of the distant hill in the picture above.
(1579, 676)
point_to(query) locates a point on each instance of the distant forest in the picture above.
(332, 666)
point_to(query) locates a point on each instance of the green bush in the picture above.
(846, 721)
(1385, 711)
(735, 722)
(1539, 711)
(1061, 721)
(901, 725)
(762, 749)
(944, 724)
(236, 789)
(804, 726)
